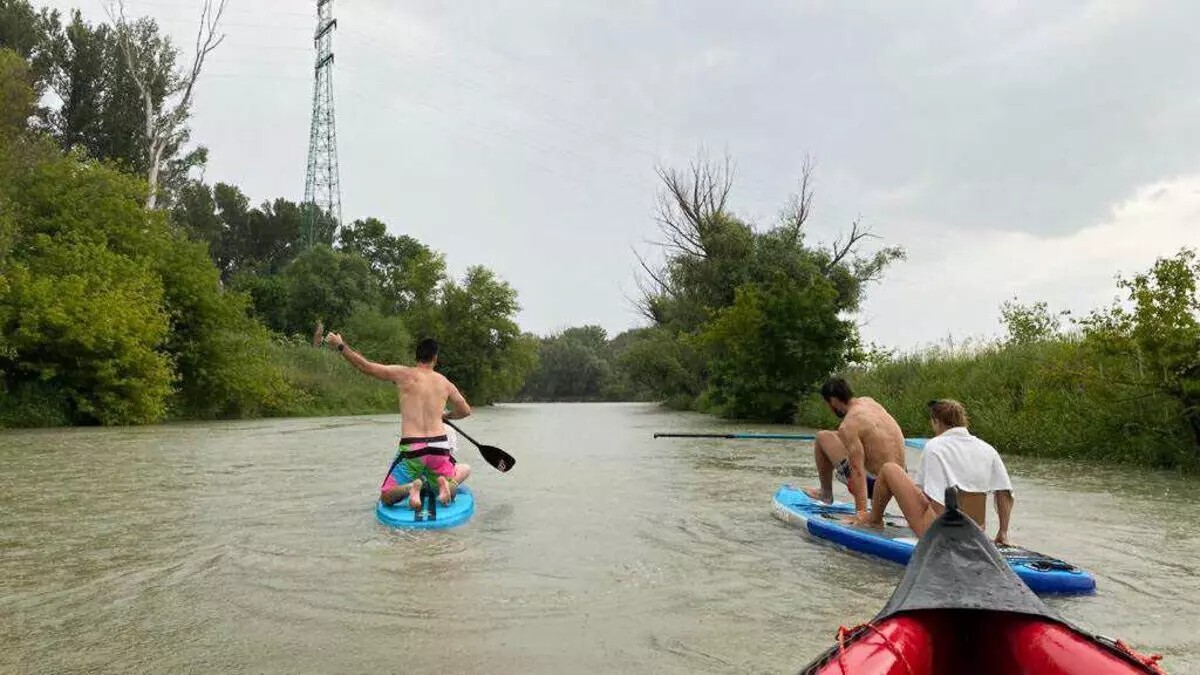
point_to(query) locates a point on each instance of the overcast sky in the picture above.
(1033, 149)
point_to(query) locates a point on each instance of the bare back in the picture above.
(880, 435)
(423, 394)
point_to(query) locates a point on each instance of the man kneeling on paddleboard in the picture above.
(866, 440)
(426, 454)
(952, 457)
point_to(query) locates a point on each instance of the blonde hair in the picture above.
(949, 412)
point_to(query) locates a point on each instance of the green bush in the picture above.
(221, 353)
(83, 307)
(379, 337)
(1042, 399)
(321, 382)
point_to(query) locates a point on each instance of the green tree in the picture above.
(241, 239)
(572, 365)
(83, 78)
(327, 286)
(483, 349)
(102, 302)
(1027, 324)
(384, 338)
(1160, 329)
(757, 316)
(220, 353)
(409, 272)
(664, 364)
(16, 97)
(16, 104)
(271, 236)
(195, 211)
(83, 309)
(28, 33)
(772, 344)
(122, 98)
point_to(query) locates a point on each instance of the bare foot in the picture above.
(444, 495)
(816, 494)
(390, 497)
(863, 521)
(414, 494)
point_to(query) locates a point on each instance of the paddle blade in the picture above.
(497, 458)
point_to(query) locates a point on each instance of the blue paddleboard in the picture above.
(896, 542)
(401, 515)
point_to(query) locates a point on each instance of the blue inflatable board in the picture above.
(896, 542)
(432, 516)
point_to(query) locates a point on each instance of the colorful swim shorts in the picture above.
(842, 471)
(425, 458)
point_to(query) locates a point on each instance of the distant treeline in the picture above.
(583, 364)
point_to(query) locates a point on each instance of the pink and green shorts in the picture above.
(425, 458)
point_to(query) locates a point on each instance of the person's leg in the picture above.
(828, 451)
(461, 473)
(397, 484)
(447, 475)
(912, 501)
(406, 478)
(389, 496)
(881, 496)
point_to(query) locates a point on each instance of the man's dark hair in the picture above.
(426, 350)
(838, 388)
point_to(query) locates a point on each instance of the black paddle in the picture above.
(491, 454)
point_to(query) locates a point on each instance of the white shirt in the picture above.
(957, 458)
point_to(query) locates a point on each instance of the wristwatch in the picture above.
(342, 347)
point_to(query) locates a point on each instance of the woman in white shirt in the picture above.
(953, 457)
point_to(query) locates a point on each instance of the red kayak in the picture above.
(960, 608)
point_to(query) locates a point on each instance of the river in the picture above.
(253, 547)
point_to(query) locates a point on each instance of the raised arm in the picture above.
(376, 370)
(1004, 505)
(858, 472)
(458, 405)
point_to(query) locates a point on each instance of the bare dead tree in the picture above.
(651, 286)
(864, 269)
(165, 118)
(689, 205)
(691, 201)
(844, 247)
(799, 209)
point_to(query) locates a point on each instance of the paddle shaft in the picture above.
(908, 442)
(777, 437)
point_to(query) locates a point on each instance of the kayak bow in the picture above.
(960, 608)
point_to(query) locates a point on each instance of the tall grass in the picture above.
(322, 383)
(1053, 398)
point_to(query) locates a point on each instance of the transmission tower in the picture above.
(322, 188)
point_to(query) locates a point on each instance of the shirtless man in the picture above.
(425, 453)
(953, 457)
(867, 438)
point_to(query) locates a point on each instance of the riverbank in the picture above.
(311, 383)
(323, 384)
(1053, 398)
